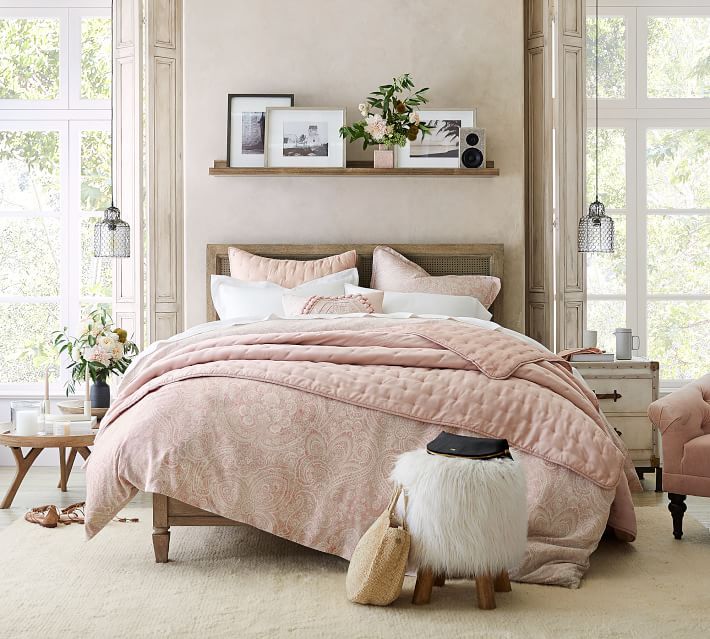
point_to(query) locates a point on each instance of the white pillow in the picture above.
(428, 303)
(234, 298)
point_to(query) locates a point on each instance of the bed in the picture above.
(573, 496)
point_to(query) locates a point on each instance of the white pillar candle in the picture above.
(26, 422)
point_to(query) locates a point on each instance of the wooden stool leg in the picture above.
(485, 593)
(440, 580)
(422, 589)
(63, 469)
(70, 465)
(23, 465)
(502, 582)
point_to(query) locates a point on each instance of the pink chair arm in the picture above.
(681, 416)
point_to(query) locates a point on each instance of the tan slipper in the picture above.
(73, 514)
(45, 516)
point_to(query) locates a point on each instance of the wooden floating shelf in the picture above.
(354, 169)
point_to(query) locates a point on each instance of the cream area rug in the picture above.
(239, 582)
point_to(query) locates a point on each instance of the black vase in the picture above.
(100, 394)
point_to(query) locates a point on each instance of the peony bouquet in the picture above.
(390, 115)
(101, 348)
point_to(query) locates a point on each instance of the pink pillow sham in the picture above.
(287, 273)
(329, 305)
(392, 271)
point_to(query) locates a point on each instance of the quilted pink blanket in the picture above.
(293, 426)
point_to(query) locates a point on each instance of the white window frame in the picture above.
(69, 115)
(637, 113)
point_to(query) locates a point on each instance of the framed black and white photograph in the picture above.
(246, 126)
(304, 137)
(440, 148)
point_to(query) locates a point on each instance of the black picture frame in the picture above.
(266, 96)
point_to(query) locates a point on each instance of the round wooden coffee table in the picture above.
(37, 443)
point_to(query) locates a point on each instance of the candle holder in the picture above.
(25, 417)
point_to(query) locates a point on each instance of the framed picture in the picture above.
(246, 126)
(441, 147)
(305, 136)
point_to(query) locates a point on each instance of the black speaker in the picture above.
(472, 148)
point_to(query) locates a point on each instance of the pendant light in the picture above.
(112, 236)
(596, 229)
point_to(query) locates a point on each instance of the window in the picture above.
(55, 177)
(654, 177)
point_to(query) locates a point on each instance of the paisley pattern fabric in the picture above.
(310, 469)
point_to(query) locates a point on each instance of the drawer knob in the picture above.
(613, 395)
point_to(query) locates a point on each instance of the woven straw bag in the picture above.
(376, 570)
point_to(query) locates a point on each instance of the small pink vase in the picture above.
(384, 157)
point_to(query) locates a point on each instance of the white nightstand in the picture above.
(625, 389)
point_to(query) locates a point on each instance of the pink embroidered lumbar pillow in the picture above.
(394, 272)
(287, 273)
(326, 305)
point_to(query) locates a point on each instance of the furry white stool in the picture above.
(467, 518)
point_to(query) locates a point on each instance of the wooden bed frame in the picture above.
(437, 259)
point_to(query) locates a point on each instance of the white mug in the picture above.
(589, 339)
(625, 343)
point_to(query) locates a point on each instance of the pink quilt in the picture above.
(293, 426)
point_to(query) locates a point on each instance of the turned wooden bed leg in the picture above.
(161, 528)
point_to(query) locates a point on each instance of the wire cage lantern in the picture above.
(112, 236)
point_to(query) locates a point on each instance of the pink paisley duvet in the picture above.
(292, 426)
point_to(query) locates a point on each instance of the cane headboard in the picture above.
(436, 259)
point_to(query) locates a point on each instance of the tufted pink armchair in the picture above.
(683, 419)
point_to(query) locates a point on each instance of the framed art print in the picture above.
(304, 137)
(246, 126)
(441, 147)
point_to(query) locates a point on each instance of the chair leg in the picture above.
(440, 580)
(422, 589)
(485, 592)
(502, 582)
(677, 507)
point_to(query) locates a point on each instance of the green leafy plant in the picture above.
(101, 348)
(390, 115)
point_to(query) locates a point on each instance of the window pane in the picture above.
(95, 170)
(612, 56)
(27, 350)
(29, 256)
(29, 58)
(96, 58)
(678, 168)
(88, 307)
(678, 337)
(679, 254)
(604, 316)
(606, 272)
(678, 57)
(96, 274)
(612, 167)
(29, 171)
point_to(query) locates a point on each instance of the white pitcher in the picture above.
(625, 343)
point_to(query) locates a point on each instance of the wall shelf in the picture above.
(354, 169)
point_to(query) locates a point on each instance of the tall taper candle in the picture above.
(46, 384)
(87, 396)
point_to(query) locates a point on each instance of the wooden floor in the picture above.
(40, 487)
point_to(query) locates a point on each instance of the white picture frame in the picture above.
(305, 137)
(246, 116)
(440, 149)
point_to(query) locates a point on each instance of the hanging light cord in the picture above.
(596, 103)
